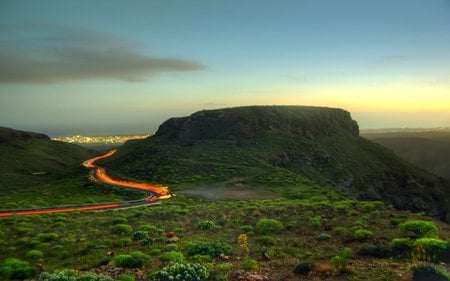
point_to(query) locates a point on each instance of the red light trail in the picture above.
(158, 192)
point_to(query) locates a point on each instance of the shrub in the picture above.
(213, 249)
(431, 249)
(126, 277)
(267, 240)
(362, 234)
(377, 251)
(428, 272)
(47, 237)
(323, 236)
(132, 260)
(316, 221)
(419, 228)
(71, 275)
(122, 229)
(140, 235)
(172, 256)
(395, 221)
(207, 224)
(119, 220)
(401, 247)
(123, 242)
(340, 261)
(221, 271)
(268, 226)
(249, 264)
(188, 272)
(303, 268)
(149, 227)
(147, 241)
(246, 228)
(342, 232)
(171, 247)
(34, 255)
(369, 206)
(15, 269)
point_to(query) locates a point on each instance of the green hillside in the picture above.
(278, 148)
(36, 171)
(427, 149)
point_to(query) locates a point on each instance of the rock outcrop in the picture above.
(256, 121)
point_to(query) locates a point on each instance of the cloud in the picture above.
(44, 53)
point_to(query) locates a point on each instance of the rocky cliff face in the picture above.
(255, 121)
(10, 135)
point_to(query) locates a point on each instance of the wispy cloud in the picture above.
(44, 53)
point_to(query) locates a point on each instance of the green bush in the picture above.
(181, 272)
(377, 251)
(15, 269)
(428, 272)
(206, 224)
(431, 249)
(172, 256)
(140, 235)
(249, 264)
(303, 268)
(362, 234)
(132, 260)
(126, 277)
(149, 228)
(221, 271)
(47, 237)
(316, 221)
(34, 255)
(267, 240)
(342, 232)
(122, 229)
(268, 226)
(123, 242)
(119, 220)
(419, 228)
(323, 236)
(340, 261)
(147, 241)
(71, 275)
(246, 228)
(213, 249)
(402, 247)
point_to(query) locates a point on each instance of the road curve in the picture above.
(155, 192)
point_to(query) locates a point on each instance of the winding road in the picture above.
(155, 193)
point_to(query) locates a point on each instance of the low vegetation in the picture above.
(271, 237)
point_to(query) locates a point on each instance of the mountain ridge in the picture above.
(320, 144)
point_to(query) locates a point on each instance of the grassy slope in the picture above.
(429, 150)
(64, 181)
(352, 165)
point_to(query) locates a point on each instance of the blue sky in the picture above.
(125, 66)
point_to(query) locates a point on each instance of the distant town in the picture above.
(99, 139)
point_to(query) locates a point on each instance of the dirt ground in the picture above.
(231, 189)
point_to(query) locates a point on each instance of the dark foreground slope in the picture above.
(278, 146)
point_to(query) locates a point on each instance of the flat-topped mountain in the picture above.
(256, 121)
(277, 147)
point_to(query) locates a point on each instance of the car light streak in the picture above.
(158, 192)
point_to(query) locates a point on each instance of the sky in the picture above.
(119, 67)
